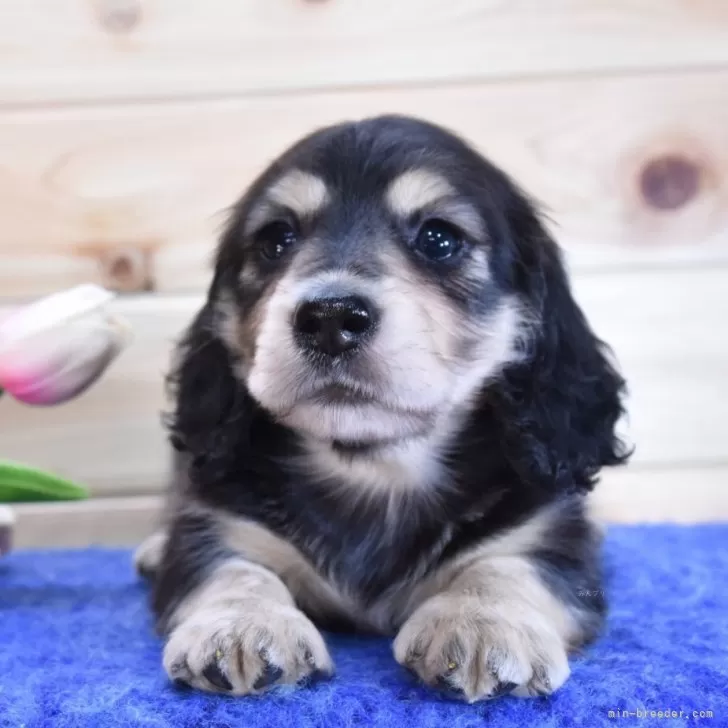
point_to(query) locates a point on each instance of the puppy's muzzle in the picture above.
(334, 325)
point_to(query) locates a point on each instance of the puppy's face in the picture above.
(357, 285)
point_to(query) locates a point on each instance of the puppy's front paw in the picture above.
(478, 651)
(245, 647)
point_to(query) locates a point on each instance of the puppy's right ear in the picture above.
(213, 411)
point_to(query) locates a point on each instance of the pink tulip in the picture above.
(56, 348)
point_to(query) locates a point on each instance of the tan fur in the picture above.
(483, 619)
(242, 619)
(316, 593)
(423, 191)
(416, 189)
(422, 384)
(392, 470)
(312, 592)
(487, 619)
(496, 573)
(496, 623)
(301, 192)
(232, 330)
(429, 389)
(240, 335)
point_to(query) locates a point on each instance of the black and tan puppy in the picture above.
(387, 415)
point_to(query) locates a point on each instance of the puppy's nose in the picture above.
(334, 325)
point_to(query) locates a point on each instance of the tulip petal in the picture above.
(55, 367)
(51, 355)
(51, 312)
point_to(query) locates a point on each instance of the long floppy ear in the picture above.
(565, 398)
(213, 411)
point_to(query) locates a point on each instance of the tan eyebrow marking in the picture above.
(419, 189)
(415, 189)
(301, 192)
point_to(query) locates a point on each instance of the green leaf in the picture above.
(22, 484)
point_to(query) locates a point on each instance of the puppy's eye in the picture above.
(275, 239)
(438, 241)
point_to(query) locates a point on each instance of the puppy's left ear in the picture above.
(565, 397)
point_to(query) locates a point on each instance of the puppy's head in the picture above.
(357, 286)
(377, 277)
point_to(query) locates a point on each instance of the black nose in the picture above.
(334, 325)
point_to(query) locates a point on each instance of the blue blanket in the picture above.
(77, 649)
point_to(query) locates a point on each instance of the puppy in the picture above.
(387, 415)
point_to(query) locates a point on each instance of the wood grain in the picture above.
(665, 329)
(632, 171)
(626, 495)
(650, 495)
(80, 50)
(111, 438)
(663, 326)
(99, 522)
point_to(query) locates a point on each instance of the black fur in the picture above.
(195, 550)
(539, 433)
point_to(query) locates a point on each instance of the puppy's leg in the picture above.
(232, 625)
(503, 623)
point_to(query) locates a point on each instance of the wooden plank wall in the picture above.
(127, 127)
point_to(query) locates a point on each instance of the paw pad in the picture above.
(270, 675)
(215, 676)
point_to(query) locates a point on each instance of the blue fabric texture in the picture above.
(77, 649)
